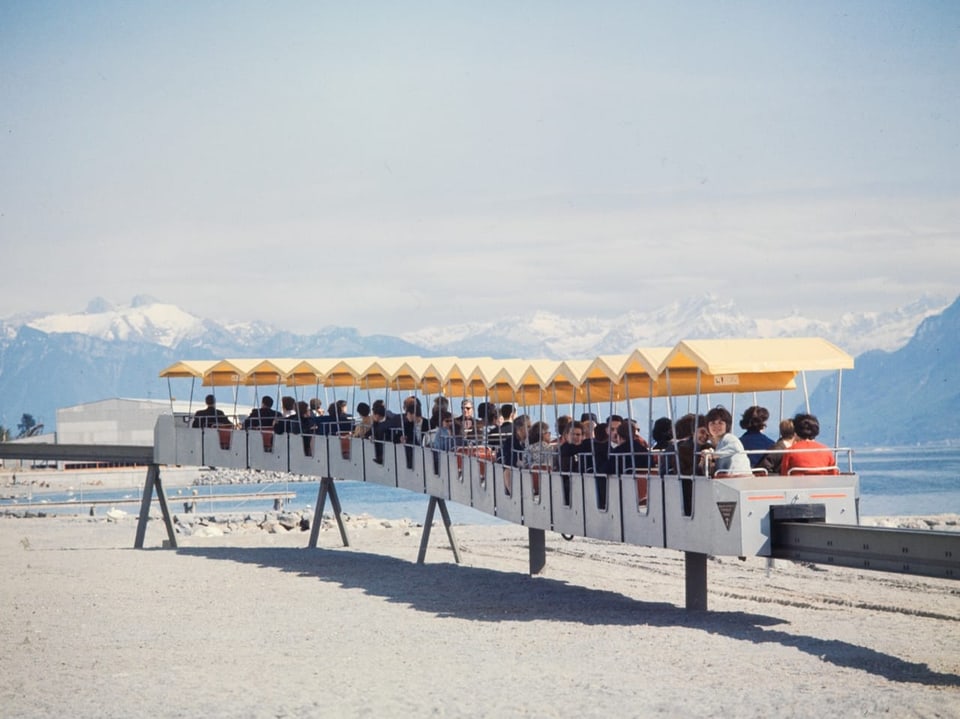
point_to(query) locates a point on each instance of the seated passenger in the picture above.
(446, 440)
(365, 422)
(692, 439)
(728, 456)
(599, 447)
(289, 421)
(663, 445)
(571, 450)
(465, 424)
(754, 420)
(513, 447)
(631, 451)
(807, 456)
(540, 451)
(772, 460)
(262, 417)
(210, 416)
(336, 421)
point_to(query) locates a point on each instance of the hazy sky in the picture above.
(394, 165)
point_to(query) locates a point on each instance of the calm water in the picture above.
(901, 481)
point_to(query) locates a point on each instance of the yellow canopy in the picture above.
(188, 368)
(746, 365)
(707, 366)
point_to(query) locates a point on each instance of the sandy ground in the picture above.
(254, 624)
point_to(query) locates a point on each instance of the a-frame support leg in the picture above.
(153, 483)
(428, 523)
(538, 549)
(327, 488)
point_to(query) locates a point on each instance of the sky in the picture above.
(394, 166)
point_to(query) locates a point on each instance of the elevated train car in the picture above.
(722, 515)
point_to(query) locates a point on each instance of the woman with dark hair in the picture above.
(806, 455)
(774, 458)
(728, 457)
(663, 445)
(691, 439)
(754, 420)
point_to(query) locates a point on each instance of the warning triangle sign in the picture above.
(727, 510)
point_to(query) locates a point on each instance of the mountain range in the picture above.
(57, 360)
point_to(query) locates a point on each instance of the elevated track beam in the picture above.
(917, 552)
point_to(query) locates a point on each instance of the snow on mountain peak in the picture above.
(156, 322)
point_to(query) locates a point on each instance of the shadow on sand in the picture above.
(472, 593)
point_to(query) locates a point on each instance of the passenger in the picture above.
(466, 424)
(381, 428)
(692, 439)
(773, 459)
(599, 447)
(571, 449)
(315, 409)
(540, 452)
(589, 422)
(631, 451)
(513, 447)
(414, 427)
(440, 404)
(728, 456)
(263, 416)
(364, 423)
(491, 424)
(446, 439)
(503, 428)
(663, 444)
(210, 416)
(806, 455)
(613, 436)
(754, 420)
(340, 420)
(307, 426)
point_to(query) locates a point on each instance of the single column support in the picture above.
(428, 524)
(695, 566)
(153, 483)
(327, 487)
(538, 549)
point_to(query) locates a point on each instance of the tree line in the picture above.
(28, 426)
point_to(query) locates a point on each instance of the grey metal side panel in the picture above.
(643, 522)
(603, 523)
(567, 518)
(276, 460)
(481, 485)
(412, 478)
(509, 506)
(384, 473)
(536, 507)
(436, 479)
(231, 453)
(704, 531)
(165, 440)
(303, 460)
(460, 480)
(344, 457)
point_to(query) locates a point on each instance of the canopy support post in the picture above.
(428, 524)
(153, 482)
(327, 488)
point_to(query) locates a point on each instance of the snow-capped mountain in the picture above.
(58, 360)
(547, 334)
